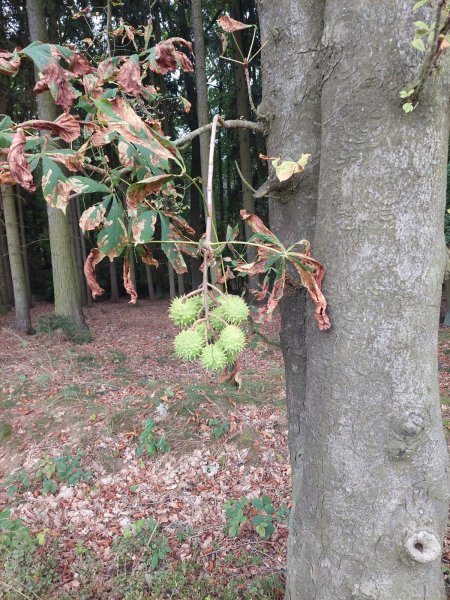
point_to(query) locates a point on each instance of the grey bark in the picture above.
(291, 98)
(6, 265)
(67, 299)
(447, 310)
(83, 252)
(4, 303)
(23, 245)
(180, 284)
(371, 492)
(22, 307)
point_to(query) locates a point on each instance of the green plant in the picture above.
(17, 483)
(115, 356)
(150, 442)
(263, 521)
(234, 512)
(63, 469)
(219, 427)
(25, 565)
(50, 324)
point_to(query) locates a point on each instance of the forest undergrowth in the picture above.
(125, 473)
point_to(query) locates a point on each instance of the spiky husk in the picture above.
(213, 358)
(233, 309)
(217, 323)
(232, 341)
(189, 344)
(183, 312)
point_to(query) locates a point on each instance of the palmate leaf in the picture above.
(171, 249)
(143, 226)
(57, 188)
(42, 54)
(113, 237)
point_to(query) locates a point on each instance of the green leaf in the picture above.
(113, 238)
(408, 107)
(86, 185)
(143, 226)
(419, 4)
(418, 44)
(170, 249)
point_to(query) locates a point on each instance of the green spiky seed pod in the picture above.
(217, 323)
(213, 358)
(198, 300)
(234, 309)
(183, 312)
(232, 341)
(189, 344)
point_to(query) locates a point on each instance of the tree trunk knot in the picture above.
(423, 546)
(407, 435)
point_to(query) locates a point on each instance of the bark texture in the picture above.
(371, 497)
(22, 306)
(291, 99)
(67, 297)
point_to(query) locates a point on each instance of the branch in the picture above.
(434, 53)
(232, 124)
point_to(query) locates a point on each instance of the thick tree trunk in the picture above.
(370, 494)
(4, 303)
(291, 98)
(67, 299)
(22, 307)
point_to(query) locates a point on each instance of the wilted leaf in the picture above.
(128, 282)
(93, 217)
(140, 190)
(5, 176)
(95, 256)
(9, 62)
(313, 283)
(18, 165)
(231, 25)
(164, 58)
(186, 104)
(72, 159)
(79, 65)
(129, 77)
(66, 127)
(146, 256)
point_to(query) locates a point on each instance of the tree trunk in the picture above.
(4, 303)
(151, 289)
(295, 129)
(172, 290)
(23, 318)
(370, 494)
(23, 245)
(447, 310)
(6, 265)
(113, 278)
(244, 135)
(67, 300)
(83, 253)
(180, 283)
(202, 106)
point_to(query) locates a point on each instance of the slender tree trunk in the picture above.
(83, 252)
(23, 245)
(244, 135)
(73, 233)
(172, 290)
(113, 278)
(371, 492)
(295, 129)
(6, 265)
(180, 282)
(202, 104)
(67, 299)
(76, 232)
(4, 301)
(22, 307)
(151, 289)
(447, 310)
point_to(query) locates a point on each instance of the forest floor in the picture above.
(97, 515)
(104, 519)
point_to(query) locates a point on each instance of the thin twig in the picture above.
(244, 181)
(433, 54)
